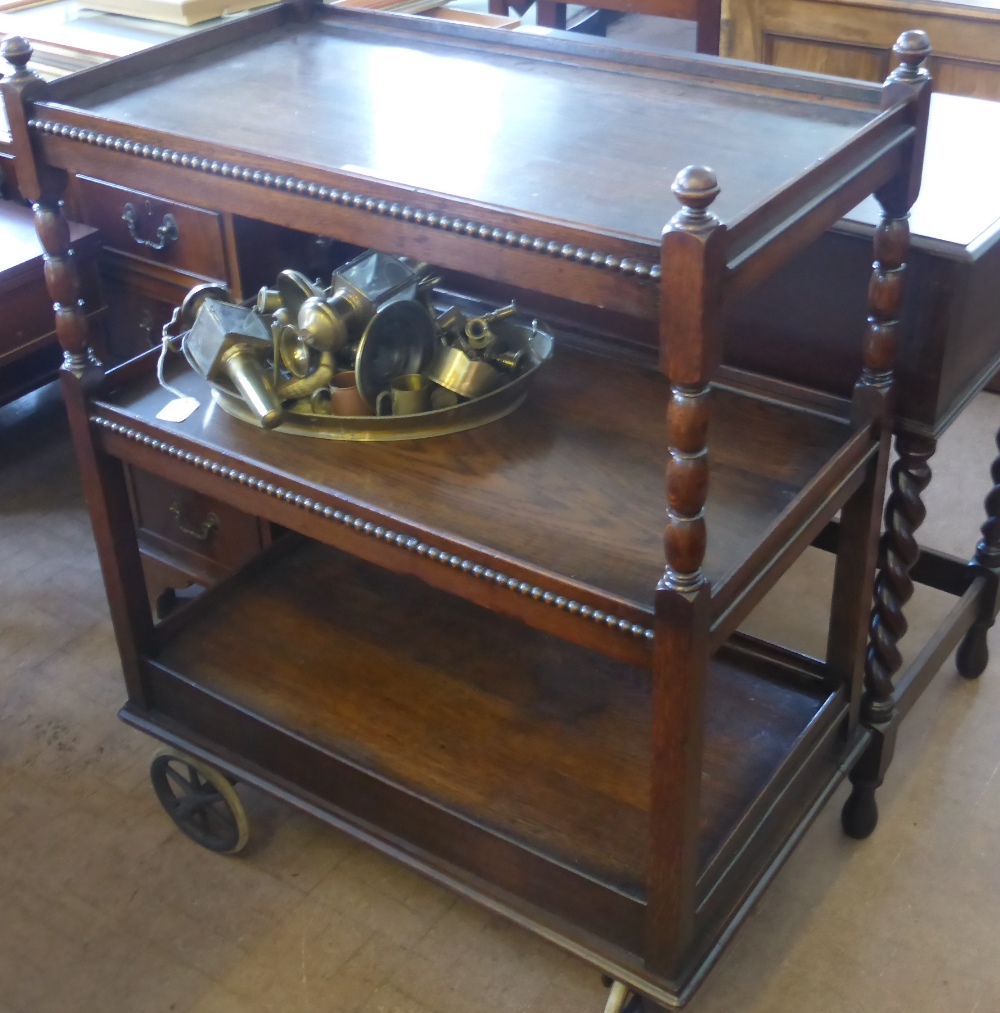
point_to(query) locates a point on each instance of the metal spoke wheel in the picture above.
(200, 800)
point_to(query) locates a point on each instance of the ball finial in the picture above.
(16, 51)
(696, 187)
(912, 48)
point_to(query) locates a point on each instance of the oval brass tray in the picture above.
(440, 422)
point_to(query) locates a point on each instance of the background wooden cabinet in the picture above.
(855, 39)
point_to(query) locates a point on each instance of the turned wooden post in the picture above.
(898, 549)
(44, 187)
(63, 282)
(104, 483)
(904, 512)
(690, 342)
(860, 653)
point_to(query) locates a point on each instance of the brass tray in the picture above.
(440, 422)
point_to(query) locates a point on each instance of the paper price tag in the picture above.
(179, 409)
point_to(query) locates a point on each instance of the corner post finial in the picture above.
(18, 90)
(696, 188)
(912, 48)
(17, 52)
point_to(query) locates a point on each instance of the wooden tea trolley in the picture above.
(471, 652)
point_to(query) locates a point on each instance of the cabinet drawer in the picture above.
(195, 534)
(139, 304)
(198, 247)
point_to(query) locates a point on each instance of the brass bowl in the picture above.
(305, 419)
(310, 420)
(452, 369)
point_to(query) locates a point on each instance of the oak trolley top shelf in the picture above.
(499, 127)
(438, 135)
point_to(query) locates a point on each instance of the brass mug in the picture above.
(408, 394)
(321, 401)
(345, 399)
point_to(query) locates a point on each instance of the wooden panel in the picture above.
(820, 56)
(853, 38)
(141, 296)
(967, 77)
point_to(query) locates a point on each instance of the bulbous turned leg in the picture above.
(859, 817)
(973, 653)
(63, 283)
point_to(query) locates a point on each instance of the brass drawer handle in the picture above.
(203, 532)
(166, 233)
(145, 323)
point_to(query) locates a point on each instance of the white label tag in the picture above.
(179, 409)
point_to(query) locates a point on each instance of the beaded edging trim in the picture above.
(374, 205)
(408, 543)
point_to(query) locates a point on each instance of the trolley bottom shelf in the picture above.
(497, 758)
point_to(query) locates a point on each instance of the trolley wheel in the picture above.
(166, 602)
(621, 999)
(200, 800)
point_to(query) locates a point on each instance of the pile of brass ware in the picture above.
(371, 357)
